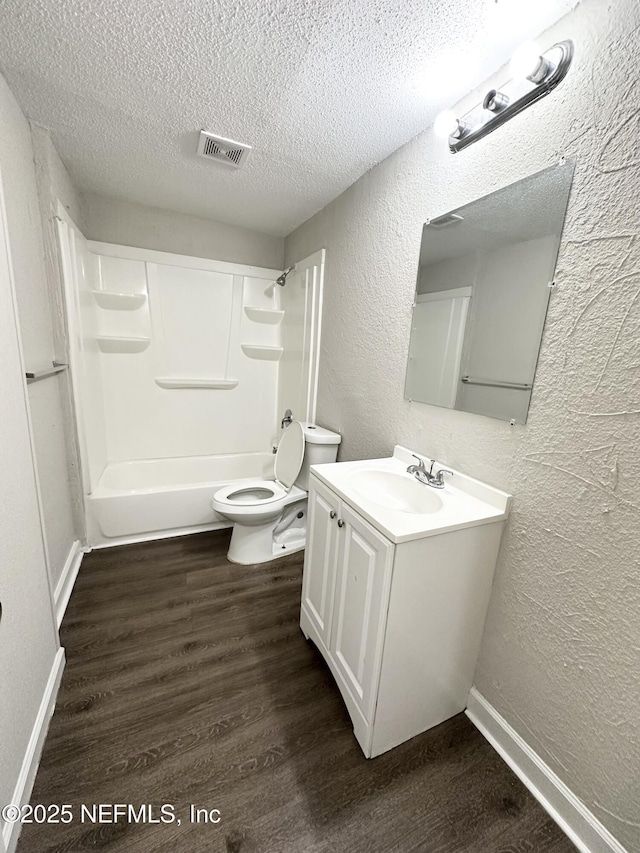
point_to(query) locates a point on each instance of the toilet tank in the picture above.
(320, 446)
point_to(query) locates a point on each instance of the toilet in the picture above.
(270, 516)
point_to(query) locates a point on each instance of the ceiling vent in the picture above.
(223, 150)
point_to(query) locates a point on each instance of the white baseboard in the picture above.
(22, 790)
(67, 579)
(570, 813)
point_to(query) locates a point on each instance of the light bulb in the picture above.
(528, 63)
(446, 124)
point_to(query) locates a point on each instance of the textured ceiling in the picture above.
(322, 89)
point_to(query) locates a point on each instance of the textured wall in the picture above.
(28, 641)
(112, 221)
(562, 640)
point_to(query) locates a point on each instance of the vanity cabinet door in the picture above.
(318, 580)
(363, 578)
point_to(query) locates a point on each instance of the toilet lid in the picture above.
(289, 455)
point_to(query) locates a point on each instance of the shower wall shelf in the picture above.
(119, 301)
(264, 315)
(266, 353)
(112, 343)
(175, 382)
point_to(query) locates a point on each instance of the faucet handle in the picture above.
(441, 472)
(421, 465)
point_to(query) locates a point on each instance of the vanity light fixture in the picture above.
(528, 62)
(447, 124)
(535, 74)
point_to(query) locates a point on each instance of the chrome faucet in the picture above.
(420, 472)
(287, 419)
(436, 481)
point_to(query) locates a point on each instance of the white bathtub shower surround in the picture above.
(176, 363)
(301, 335)
(192, 390)
(137, 499)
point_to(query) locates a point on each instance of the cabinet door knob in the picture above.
(332, 514)
(340, 523)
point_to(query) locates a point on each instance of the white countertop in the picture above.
(465, 502)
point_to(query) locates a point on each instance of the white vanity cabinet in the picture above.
(398, 622)
(344, 595)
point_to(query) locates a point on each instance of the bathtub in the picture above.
(152, 498)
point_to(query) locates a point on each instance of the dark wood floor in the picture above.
(188, 682)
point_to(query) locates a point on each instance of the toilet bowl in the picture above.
(269, 516)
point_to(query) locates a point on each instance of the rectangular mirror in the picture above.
(484, 280)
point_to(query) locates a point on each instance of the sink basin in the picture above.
(396, 491)
(403, 509)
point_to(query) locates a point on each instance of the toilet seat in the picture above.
(289, 455)
(269, 516)
(238, 500)
(250, 493)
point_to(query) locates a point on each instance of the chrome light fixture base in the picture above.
(514, 96)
